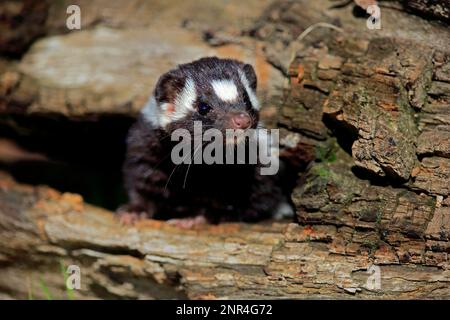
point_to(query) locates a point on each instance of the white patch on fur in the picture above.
(283, 210)
(226, 90)
(184, 102)
(150, 112)
(250, 92)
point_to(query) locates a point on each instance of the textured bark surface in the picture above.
(42, 229)
(364, 118)
(89, 74)
(21, 22)
(439, 9)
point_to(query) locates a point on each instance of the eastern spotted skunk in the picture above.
(220, 93)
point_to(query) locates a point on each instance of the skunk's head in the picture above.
(220, 93)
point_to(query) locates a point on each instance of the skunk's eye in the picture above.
(203, 108)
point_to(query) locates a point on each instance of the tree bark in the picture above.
(42, 229)
(365, 126)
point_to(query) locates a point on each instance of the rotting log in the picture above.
(366, 114)
(42, 229)
(21, 22)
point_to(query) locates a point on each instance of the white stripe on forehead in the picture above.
(226, 90)
(250, 92)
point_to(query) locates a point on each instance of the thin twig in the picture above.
(308, 31)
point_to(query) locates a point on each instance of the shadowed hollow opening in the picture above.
(82, 156)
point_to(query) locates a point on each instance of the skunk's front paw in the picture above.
(128, 215)
(188, 223)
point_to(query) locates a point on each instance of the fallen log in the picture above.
(364, 120)
(42, 229)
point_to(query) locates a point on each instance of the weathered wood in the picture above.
(21, 22)
(111, 65)
(439, 9)
(365, 119)
(41, 228)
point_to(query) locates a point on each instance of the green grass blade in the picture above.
(45, 289)
(30, 290)
(69, 292)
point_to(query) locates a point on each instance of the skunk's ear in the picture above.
(168, 87)
(251, 75)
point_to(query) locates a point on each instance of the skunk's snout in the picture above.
(240, 120)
